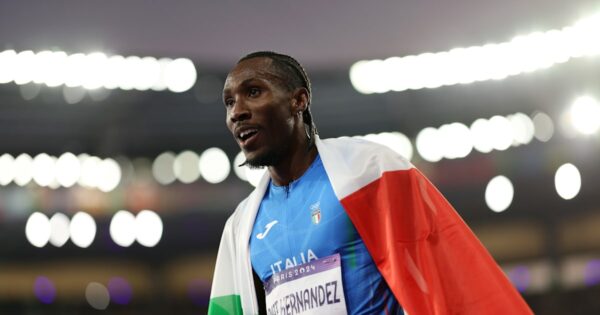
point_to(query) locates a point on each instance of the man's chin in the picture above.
(261, 160)
(256, 162)
(254, 166)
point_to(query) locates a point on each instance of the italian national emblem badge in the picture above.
(315, 213)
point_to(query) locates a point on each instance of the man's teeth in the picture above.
(246, 133)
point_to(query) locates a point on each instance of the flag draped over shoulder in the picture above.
(430, 259)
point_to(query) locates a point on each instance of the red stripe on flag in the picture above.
(431, 260)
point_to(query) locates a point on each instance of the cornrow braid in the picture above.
(295, 76)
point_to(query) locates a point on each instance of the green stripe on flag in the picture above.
(225, 305)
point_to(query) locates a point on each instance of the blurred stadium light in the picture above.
(96, 70)
(82, 229)
(499, 193)
(523, 54)
(59, 229)
(584, 115)
(455, 140)
(37, 229)
(148, 228)
(567, 181)
(122, 229)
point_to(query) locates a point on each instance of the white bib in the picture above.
(312, 288)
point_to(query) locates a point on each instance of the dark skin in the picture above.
(265, 118)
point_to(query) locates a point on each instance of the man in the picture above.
(342, 225)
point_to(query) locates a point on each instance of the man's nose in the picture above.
(239, 112)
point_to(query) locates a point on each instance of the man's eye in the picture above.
(228, 102)
(253, 91)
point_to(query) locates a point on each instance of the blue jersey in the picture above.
(305, 221)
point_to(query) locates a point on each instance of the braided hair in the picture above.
(295, 76)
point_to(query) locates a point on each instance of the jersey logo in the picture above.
(268, 227)
(315, 213)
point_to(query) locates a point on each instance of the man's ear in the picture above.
(300, 99)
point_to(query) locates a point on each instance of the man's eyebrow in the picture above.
(247, 81)
(261, 76)
(243, 83)
(227, 91)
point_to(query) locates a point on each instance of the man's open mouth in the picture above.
(247, 134)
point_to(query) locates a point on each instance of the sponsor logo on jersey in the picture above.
(268, 227)
(315, 213)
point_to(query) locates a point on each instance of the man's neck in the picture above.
(293, 167)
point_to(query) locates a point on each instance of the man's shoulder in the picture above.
(359, 150)
(352, 163)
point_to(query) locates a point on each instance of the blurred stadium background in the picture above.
(117, 172)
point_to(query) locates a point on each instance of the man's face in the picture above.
(259, 111)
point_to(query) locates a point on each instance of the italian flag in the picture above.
(431, 260)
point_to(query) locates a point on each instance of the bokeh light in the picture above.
(43, 169)
(52, 74)
(116, 64)
(214, 165)
(97, 296)
(23, 169)
(544, 127)
(120, 290)
(25, 67)
(74, 70)
(68, 169)
(523, 128)
(44, 290)
(567, 181)
(180, 75)
(584, 115)
(428, 145)
(186, 167)
(161, 84)
(110, 175)
(150, 74)
(502, 133)
(8, 65)
(122, 228)
(59, 229)
(591, 273)
(7, 170)
(499, 193)
(82, 229)
(29, 91)
(37, 229)
(90, 170)
(163, 169)
(73, 95)
(493, 61)
(148, 228)
(96, 70)
(454, 140)
(520, 276)
(481, 132)
(99, 95)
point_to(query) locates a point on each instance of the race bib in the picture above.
(311, 288)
